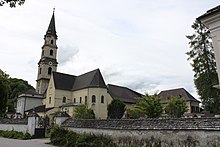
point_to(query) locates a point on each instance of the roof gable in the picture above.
(123, 93)
(63, 81)
(70, 82)
(90, 79)
(164, 95)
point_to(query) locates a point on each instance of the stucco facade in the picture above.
(28, 101)
(56, 98)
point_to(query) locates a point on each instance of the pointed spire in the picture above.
(52, 29)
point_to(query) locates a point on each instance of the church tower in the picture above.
(48, 62)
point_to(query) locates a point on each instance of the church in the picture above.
(57, 91)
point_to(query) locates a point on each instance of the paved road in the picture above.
(5, 142)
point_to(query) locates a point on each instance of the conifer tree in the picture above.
(203, 63)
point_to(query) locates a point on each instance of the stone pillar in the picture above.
(61, 117)
(32, 123)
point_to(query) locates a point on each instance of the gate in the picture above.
(40, 129)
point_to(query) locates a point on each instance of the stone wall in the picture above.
(166, 132)
(13, 124)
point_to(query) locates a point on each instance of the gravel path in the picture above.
(5, 142)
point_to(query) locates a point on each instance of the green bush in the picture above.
(15, 134)
(62, 137)
(58, 135)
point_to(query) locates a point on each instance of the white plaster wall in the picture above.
(59, 94)
(20, 105)
(50, 93)
(32, 102)
(177, 137)
(15, 127)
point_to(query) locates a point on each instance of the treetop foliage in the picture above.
(82, 112)
(12, 3)
(176, 107)
(116, 109)
(150, 106)
(202, 53)
(203, 63)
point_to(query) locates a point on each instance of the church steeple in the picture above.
(48, 62)
(52, 28)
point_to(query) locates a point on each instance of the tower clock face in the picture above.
(50, 63)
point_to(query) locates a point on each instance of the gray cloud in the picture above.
(67, 53)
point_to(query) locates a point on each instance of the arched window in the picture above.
(85, 100)
(102, 99)
(49, 100)
(74, 100)
(93, 99)
(49, 70)
(64, 99)
(51, 42)
(42, 52)
(80, 99)
(51, 52)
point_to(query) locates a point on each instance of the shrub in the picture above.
(15, 134)
(58, 135)
(62, 137)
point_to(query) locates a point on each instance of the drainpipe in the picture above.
(24, 104)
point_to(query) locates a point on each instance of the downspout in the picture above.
(24, 105)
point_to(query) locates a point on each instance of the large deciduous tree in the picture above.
(12, 3)
(116, 109)
(4, 91)
(203, 63)
(150, 106)
(176, 107)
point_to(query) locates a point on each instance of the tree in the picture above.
(134, 113)
(116, 109)
(4, 91)
(12, 3)
(82, 112)
(203, 63)
(17, 87)
(150, 106)
(176, 107)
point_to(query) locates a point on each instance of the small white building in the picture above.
(28, 100)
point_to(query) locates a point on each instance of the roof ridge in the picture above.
(174, 89)
(126, 88)
(64, 73)
(88, 72)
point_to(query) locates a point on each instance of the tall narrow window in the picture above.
(64, 99)
(80, 99)
(49, 70)
(85, 100)
(49, 100)
(43, 53)
(93, 99)
(51, 52)
(74, 100)
(102, 99)
(51, 42)
(40, 71)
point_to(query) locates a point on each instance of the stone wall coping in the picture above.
(13, 121)
(147, 124)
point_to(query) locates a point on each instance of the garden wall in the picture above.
(165, 132)
(14, 124)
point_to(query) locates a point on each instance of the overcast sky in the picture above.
(140, 44)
